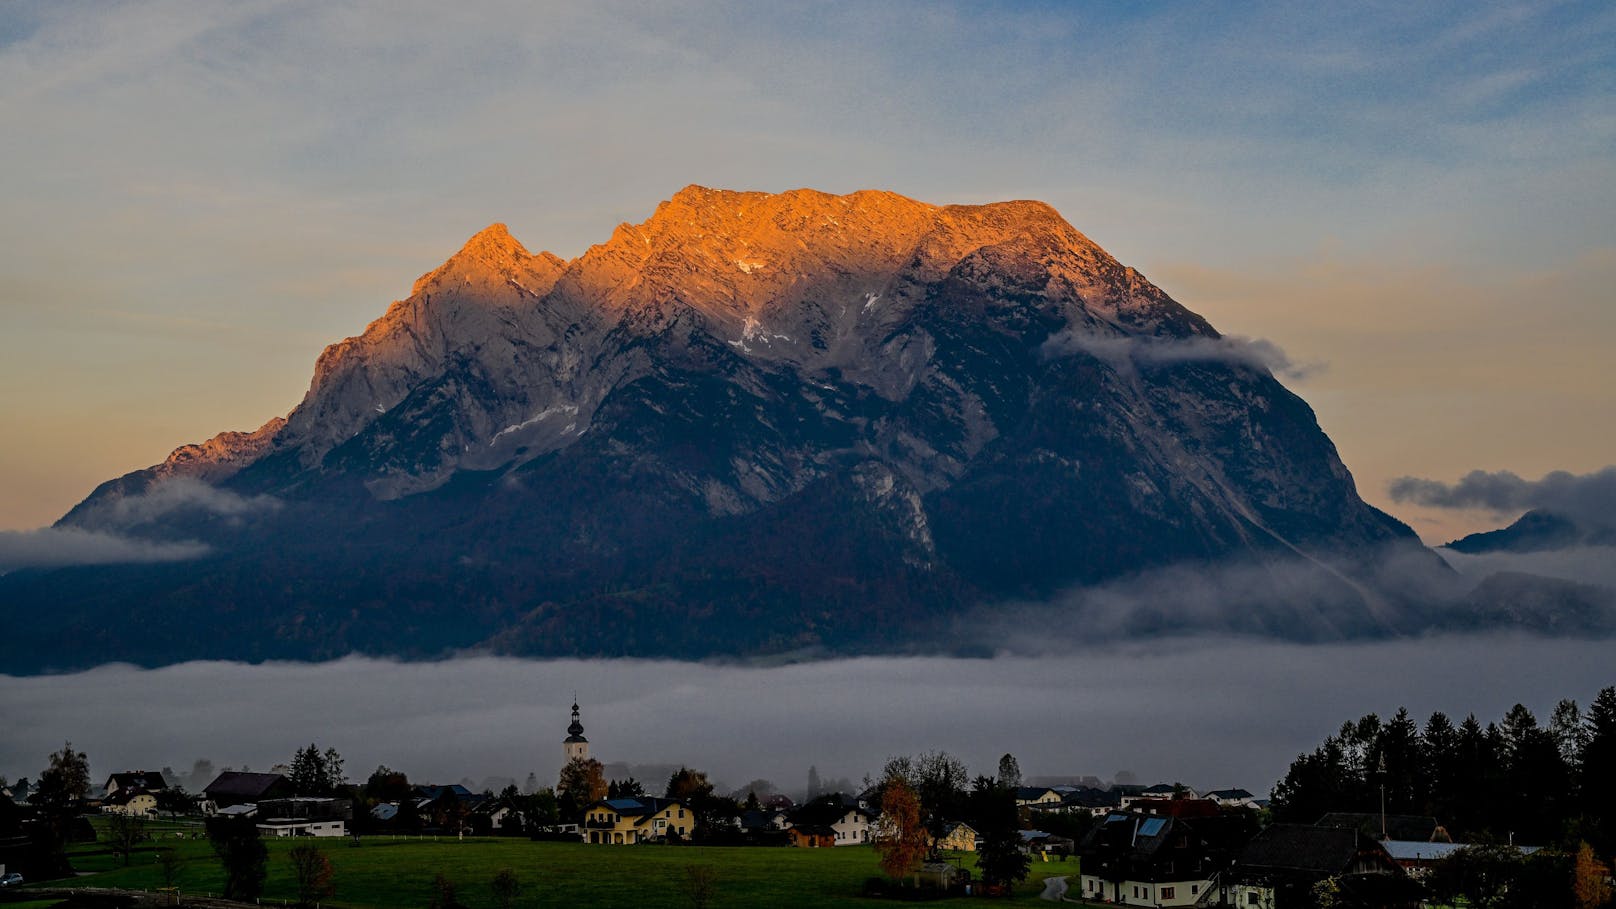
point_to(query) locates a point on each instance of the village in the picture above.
(925, 826)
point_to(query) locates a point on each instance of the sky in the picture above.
(1076, 713)
(1418, 201)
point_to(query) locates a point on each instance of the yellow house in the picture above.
(133, 802)
(641, 820)
(959, 838)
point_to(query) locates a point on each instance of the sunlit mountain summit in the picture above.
(753, 423)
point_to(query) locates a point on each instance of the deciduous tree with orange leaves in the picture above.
(1590, 880)
(902, 841)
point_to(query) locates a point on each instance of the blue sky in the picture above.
(1422, 197)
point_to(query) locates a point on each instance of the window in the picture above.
(1167, 893)
(1251, 898)
(1194, 888)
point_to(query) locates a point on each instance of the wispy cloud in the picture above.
(52, 547)
(1257, 353)
(1582, 564)
(1589, 497)
(1392, 590)
(168, 497)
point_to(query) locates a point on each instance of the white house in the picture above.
(853, 827)
(288, 826)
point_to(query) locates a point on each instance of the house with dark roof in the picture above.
(149, 780)
(812, 836)
(457, 791)
(236, 787)
(1232, 798)
(762, 824)
(638, 820)
(496, 815)
(1138, 859)
(1178, 807)
(959, 837)
(1282, 864)
(1393, 826)
(1037, 797)
(131, 801)
(849, 824)
(1088, 800)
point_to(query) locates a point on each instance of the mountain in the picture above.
(1536, 531)
(753, 423)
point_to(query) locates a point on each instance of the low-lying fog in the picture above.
(1209, 712)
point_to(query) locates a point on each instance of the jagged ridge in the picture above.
(814, 420)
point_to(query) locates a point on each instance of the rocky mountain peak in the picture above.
(736, 255)
(772, 420)
(493, 255)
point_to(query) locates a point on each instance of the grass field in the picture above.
(385, 873)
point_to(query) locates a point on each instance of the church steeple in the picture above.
(575, 745)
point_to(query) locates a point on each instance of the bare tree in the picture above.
(123, 832)
(168, 865)
(313, 873)
(507, 888)
(699, 885)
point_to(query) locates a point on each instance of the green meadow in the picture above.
(383, 872)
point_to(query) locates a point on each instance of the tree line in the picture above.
(1513, 779)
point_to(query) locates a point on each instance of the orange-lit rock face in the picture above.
(735, 255)
(804, 279)
(768, 422)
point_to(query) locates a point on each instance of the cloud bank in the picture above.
(1582, 564)
(172, 495)
(101, 535)
(1213, 712)
(1257, 353)
(1390, 591)
(1585, 497)
(54, 547)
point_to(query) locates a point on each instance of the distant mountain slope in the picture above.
(752, 423)
(1535, 531)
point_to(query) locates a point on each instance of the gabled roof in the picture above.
(1299, 847)
(1229, 794)
(137, 779)
(1092, 798)
(1130, 832)
(1033, 793)
(640, 809)
(125, 796)
(435, 792)
(239, 784)
(828, 809)
(1179, 807)
(757, 819)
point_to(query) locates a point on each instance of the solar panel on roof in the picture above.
(1152, 826)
